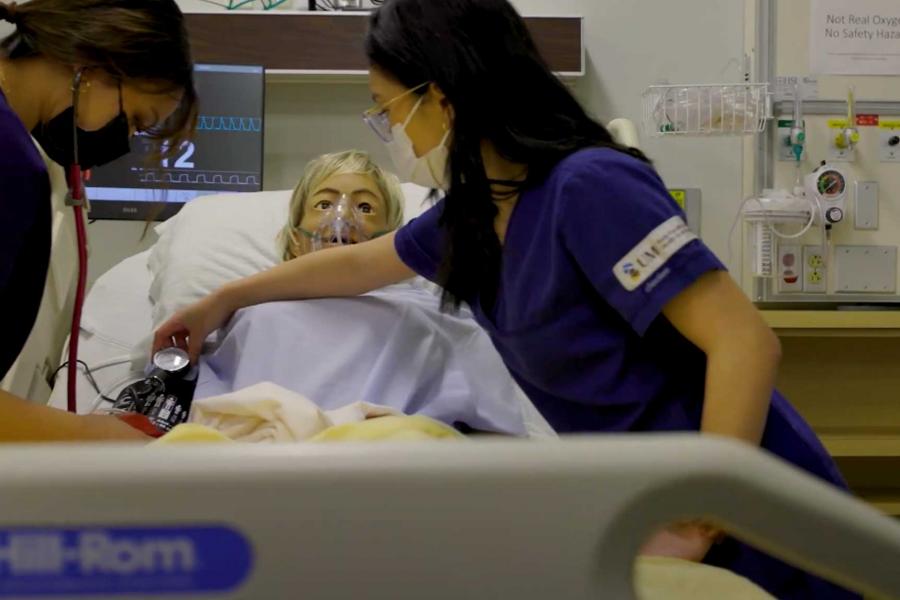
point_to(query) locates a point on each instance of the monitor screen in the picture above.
(225, 155)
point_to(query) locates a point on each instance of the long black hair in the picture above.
(483, 58)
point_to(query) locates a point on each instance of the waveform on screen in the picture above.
(229, 124)
(194, 178)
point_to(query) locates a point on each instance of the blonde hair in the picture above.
(355, 162)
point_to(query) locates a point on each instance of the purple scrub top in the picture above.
(592, 255)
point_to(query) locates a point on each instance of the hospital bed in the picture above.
(419, 521)
(485, 519)
(218, 239)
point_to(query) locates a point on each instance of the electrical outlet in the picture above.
(790, 269)
(815, 277)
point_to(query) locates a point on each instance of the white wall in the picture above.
(304, 120)
(635, 43)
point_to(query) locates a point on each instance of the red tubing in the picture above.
(77, 191)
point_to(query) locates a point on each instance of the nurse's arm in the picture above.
(741, 350)
(336, 272)
(23, 421)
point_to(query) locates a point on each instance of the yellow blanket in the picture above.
(659, 578)
(387, 428)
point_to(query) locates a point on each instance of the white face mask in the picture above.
(429, 170)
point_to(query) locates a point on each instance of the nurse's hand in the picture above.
(189, 327)
(685, 541)
(109, 428)
(23, 421)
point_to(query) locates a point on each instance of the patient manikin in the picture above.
(343, 221)
(393, 347)
(342, 198)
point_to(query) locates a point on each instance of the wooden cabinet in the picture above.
(327, 43)
(841, 370)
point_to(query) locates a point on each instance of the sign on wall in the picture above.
(861, 37)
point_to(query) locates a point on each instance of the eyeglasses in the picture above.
(378, 119)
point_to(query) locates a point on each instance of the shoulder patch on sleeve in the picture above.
(652, 253)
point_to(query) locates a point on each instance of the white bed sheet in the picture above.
(115, 341)
(115, 323)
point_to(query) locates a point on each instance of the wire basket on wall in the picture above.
(706, 110)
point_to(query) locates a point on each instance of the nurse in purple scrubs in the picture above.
(608, 311)
(132, 66)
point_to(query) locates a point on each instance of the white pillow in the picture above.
(217, 239)
(214, 240)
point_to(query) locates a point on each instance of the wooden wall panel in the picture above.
(843, 384)
(333, 42)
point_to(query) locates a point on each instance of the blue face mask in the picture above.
(95, 148)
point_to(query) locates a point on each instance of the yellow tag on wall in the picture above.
(889, 124)
(679, 197)
(837, 123)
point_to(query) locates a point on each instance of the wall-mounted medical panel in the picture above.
(861, 140)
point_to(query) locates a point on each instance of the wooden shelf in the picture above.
(331, 43)
(834, 323)
(862, 445)
(870, 461)
(888, 502)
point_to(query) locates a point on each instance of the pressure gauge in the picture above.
(831, 185)
(828, 185)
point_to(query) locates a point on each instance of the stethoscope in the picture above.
(77, 199)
